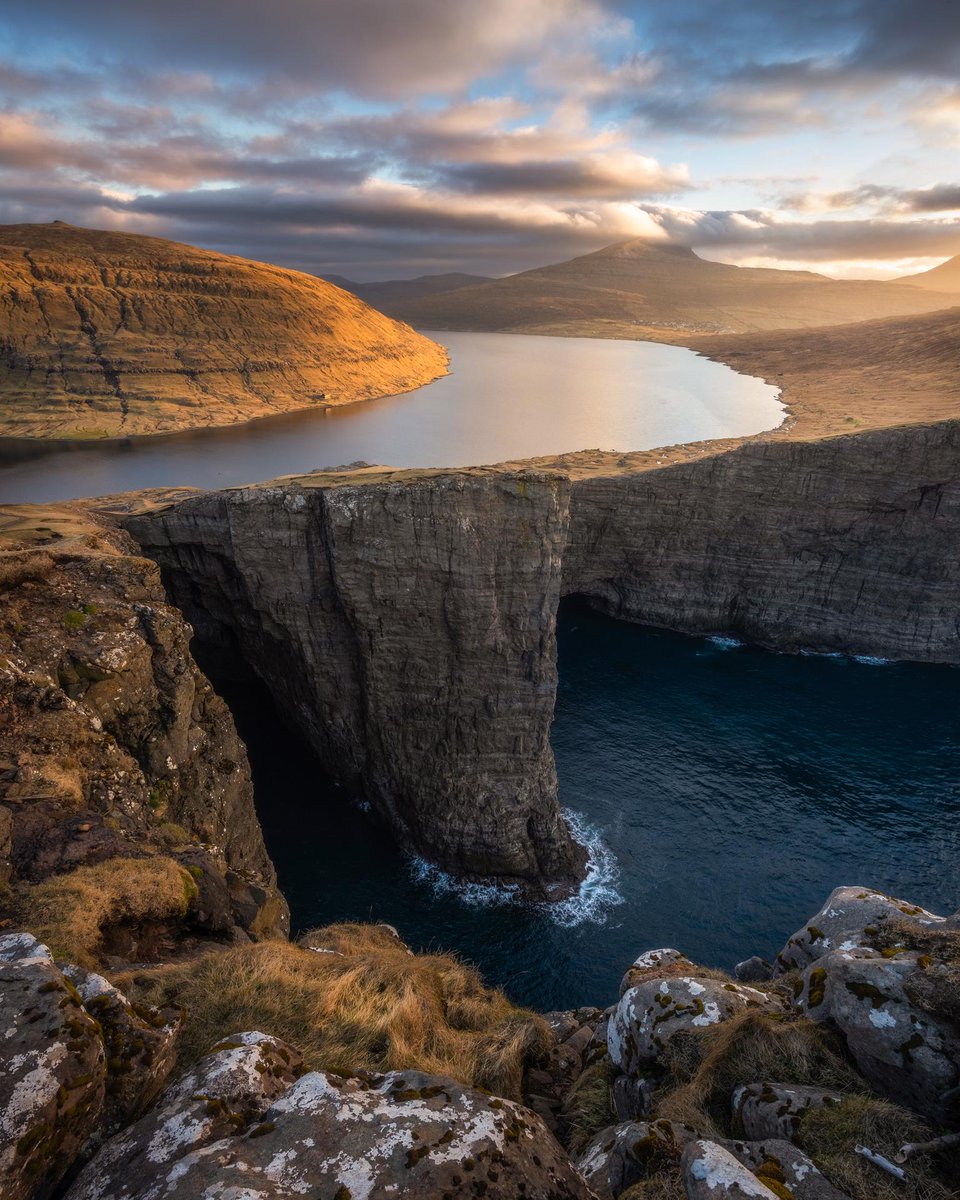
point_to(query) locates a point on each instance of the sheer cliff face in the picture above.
(847, 544)
(408, 629)
(406, 620)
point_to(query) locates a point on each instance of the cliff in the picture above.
(110, 335)
(408, 629)
(126, 803)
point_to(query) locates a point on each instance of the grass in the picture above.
(369, 1006)
(707, 1066)
(18, 568)
(829, 1135)
(70, 913)
(589, 1105)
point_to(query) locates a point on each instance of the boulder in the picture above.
(334, 1138)
(52, 1070)
(849, 918)
(649, 1015)
(712, 1173)
(632, 1096)
(907, 1053)
(776, 1110)
(652, 962)
(623, 1155)
(224, 1093)
(140, 1045)
(753, 970)
(784, 1169)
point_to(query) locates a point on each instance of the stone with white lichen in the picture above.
(223, 1095)
(622, 1155)
(906, 1052)
(649, 1015)
(336, 1138)
(776, 1110)
(712, 1173)
(52, 1070)
(850, 918)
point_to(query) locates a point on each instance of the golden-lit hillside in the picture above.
(107, 334)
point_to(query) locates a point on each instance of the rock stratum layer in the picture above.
(405, 619)
(114, 335)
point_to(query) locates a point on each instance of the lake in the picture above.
(508, 396)
(724, 790)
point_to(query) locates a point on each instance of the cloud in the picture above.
(374, 47)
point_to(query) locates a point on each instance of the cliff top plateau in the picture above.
(655, 291)
(106, 335)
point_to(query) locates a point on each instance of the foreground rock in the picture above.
(712, 1173)
(331, 1137)
(53, 1075)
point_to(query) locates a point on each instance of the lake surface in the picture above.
(509, 396)
(726, 791)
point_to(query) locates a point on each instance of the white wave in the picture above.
(596, 895)
(871, 660)
(725, 643)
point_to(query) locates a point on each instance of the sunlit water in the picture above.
(724, 792)
(508, 396)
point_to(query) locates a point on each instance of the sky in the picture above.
(390, 138)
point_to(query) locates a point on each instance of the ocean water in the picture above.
(507, 396)
(722, 790)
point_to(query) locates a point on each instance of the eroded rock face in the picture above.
(52, 1071)
(908, 1054)
(115, 743)
(658, 1009)
(850, 917)
(408, 629)
(330, 1137)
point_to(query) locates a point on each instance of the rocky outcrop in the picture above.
(113, 744)
(108, 334)
(408, 629)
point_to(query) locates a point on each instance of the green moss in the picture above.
(73, 619)
(817, 987)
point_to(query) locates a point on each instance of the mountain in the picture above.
(391, 295)
(945, 278)
(661, 288)
(106, 334)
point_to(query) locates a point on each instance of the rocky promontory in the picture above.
(109, 335)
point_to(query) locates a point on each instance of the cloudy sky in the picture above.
(385, 138)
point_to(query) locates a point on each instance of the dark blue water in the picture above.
(732, 790)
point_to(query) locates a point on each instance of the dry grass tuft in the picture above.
(69, 913)
(17, 568)
(588, 1107)
(665, 1186)
(707, 1066)
(829, 1135)
(370, 1005)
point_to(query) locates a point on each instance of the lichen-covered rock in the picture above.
(784, 1169)
(649, 1015)
(776, 1110)
(712, 1173)
(632, 1096)
(140, 1045)
(221, 1096)
(652, 962)
(330, 1138)
(849, 918)
(625, 1154)
(908, 1054)
(52, 1070)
